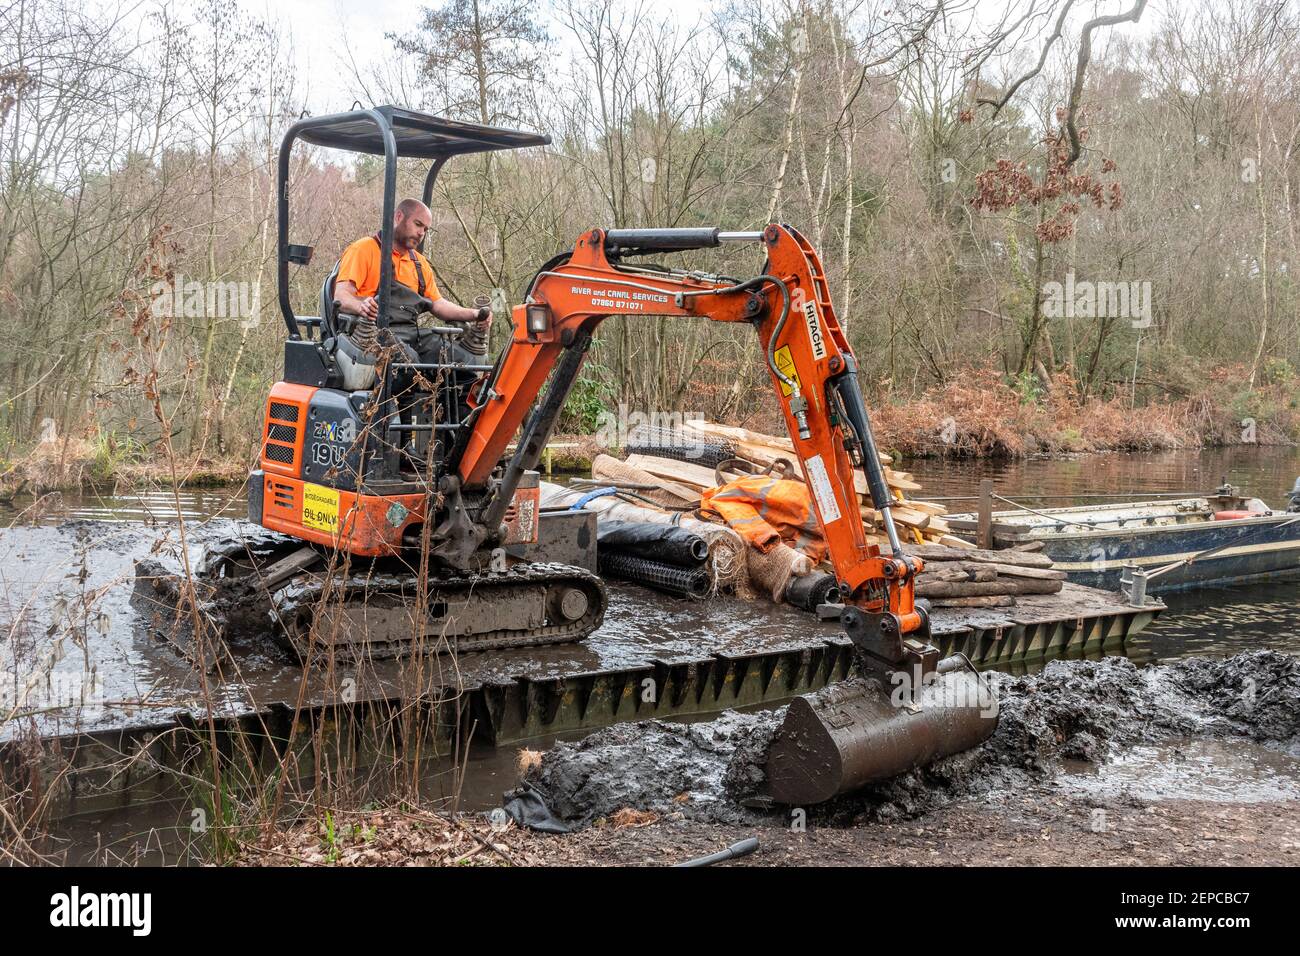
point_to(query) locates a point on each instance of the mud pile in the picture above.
(1077, 710)
(655, 765)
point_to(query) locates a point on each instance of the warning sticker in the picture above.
(320, 508)
(827, 506)
(785, 363)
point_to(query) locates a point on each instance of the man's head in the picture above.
(410, 222)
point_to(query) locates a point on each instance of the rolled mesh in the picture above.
(678, 444)
(608, 468)
(685, 582)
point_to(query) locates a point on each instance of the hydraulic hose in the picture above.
(780, 322)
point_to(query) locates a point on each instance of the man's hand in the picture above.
(449, 311)
(345, 293)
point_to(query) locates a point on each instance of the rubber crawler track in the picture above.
(294, 605)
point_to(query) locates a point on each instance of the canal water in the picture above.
(1214, 621)
(1211, 622)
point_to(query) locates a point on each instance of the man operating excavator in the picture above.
(417, 495)
(413, 290)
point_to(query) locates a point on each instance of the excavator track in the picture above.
(264, 584)
(372, 616)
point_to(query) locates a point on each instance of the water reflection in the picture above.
(1213, 622)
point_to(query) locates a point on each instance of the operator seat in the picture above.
(357, 368)
(329, 316)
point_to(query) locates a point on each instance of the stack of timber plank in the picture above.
(919, 521)
(956, 574)
(971, 577)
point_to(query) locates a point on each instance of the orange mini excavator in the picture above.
(402, 465)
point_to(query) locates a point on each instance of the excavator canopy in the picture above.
(417, 135)
(394, 133)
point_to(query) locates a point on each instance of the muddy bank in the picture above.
(656, 765)
(1074, 711)
(1037, 828)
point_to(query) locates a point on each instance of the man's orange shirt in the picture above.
(360, 266)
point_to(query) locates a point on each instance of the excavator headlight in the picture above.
(539, 320)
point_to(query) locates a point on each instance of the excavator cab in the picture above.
(408, 435)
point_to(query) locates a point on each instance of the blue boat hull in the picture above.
(1254, 549)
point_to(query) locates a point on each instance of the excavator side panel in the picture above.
(361, 524)
(370, 526)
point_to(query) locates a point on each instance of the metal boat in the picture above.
(1220, 539)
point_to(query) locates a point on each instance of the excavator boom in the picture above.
(809, 360)
(906, 708)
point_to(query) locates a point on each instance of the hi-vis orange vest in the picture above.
(765, 510)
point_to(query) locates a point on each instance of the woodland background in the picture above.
(927, 148)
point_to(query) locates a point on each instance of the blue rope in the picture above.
(591, 496)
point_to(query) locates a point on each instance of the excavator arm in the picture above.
(813, 372)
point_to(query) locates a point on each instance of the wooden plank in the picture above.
(1011, 532)
(904, 515)
(1009, 570)
(600, 470)
(984, 530)
(942, 575)
(739, 436)
(929, 507)
(938, 525)
(989, 600)
(1014, 570)
(913, 519)
(733, 434)
(683, 472)
(938, 552)
(1002, 585)
(899, 483)
(951, 571)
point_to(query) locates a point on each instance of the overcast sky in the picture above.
(319, 28)
(330, 36)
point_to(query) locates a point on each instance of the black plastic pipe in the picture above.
(684, 582)
(733, 852)
(655, 542)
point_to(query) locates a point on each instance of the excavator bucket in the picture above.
(860, 731)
